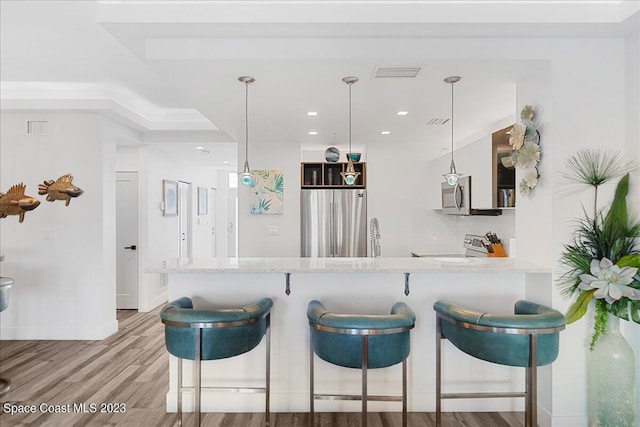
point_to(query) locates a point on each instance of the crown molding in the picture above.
(114, 100)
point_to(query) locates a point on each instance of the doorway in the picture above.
(232, 228)
(184, 213)
(212, 222)
(127, 240)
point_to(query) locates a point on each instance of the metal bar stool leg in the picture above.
(268, 373)
(180, 388)
(311, 395)
(438, 374)
(196, 369)
(404, 393)
(532, 383)
(365, 360)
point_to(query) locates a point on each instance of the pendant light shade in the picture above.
(246, 175)
(453, 175)
(350, 175)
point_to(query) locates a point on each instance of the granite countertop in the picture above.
(346, 265)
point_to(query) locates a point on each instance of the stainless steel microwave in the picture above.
(456, 199)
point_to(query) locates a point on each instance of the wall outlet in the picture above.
(273, 230)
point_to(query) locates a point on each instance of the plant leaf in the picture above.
(635, 310)
(616, 221)
(619, 309)
(579, 308)
(632, 260)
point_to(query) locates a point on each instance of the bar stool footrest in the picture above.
(482, 395)
(239, 390)
(357, 397)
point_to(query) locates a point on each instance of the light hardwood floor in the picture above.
(130, 368)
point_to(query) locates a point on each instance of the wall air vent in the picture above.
(437, 122)
(37, 127)
(396, 72)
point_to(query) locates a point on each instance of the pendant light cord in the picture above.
(350, 84)
(452, 122)
(246, 121)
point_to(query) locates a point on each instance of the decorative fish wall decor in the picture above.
(15, 202)
(62, 189)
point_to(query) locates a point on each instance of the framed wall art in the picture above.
(170, 197)
(267, 195)
(203, 201)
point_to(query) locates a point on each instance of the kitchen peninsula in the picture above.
(356, 285)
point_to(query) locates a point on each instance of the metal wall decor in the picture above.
(61, 189)
(15, 202)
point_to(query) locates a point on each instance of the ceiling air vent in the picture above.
(437, 122)
(396, 72)
(37, 127)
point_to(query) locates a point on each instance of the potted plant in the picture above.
(602, 263)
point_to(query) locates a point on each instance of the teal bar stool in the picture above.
(5, 285)
(362, 342)
(211, 334)
(528, 338)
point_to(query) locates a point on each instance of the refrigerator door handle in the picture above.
(337, 249)
(331, 237)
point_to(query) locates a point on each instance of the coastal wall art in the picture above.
(266, 192)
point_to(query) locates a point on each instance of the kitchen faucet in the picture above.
(374, 235)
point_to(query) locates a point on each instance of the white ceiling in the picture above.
(176, 61)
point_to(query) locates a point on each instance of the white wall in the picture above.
(64, 285)
(253, 238)
(158, 234)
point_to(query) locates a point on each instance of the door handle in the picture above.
(132, 247)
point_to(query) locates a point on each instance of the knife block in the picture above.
(498, 251)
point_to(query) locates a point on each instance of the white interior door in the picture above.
(184, 213)
(212, 221)
(233, 222)
(127, 240)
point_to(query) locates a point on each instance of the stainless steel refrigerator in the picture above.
(333, 223)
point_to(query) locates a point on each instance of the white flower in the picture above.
(528, 155)
(610, 281)
(527, 113)
(531, 178)
(516, 137)
(524, 188)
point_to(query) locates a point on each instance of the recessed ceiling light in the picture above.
(385, 132)
(226, 162)
(402, 113)
(313, 132)
(312, 113)
(199, 148)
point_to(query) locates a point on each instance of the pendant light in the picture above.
(350, 175)
(245, 175)
(453, 175)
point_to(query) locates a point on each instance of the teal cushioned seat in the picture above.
(503, 348)
(5, 285)
(527, 338)
(345, 349)
(211, 334)
(217, 343)
(362, 341)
